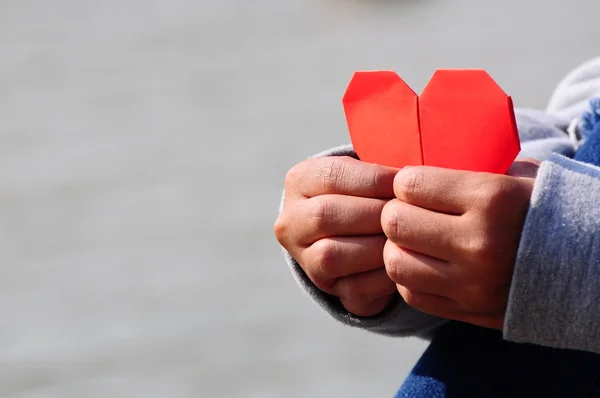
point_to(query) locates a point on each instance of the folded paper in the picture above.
(462, 120)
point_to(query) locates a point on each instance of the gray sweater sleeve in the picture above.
(555, 293)
(398, 319)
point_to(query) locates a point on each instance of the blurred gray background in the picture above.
(143, 149)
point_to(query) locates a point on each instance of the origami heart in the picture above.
(462, 120)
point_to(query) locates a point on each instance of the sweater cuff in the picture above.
(555, 293)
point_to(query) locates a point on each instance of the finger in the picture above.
(441, 190)
(335, 215)
(340, 175)
(420, 230)
(446, 308)
(416, 271)
(429, 303)
(359, 293)
(369, 308)
(331, 258)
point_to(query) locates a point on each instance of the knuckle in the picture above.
(481, 248)
(325, 259)
(323, 284)
(372, 177)
(410, 182)
(321, 211)
(288, 227)
(398, 273)
(331, 173)
(312, 268)
(280, 229)
(396, 268)
(391, 222)
(475, 245)
(294, 175)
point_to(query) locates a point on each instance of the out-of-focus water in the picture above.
(143, 148)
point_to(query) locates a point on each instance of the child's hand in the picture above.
(453, 239)
(331, 224)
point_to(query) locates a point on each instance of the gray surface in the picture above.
(143, 148)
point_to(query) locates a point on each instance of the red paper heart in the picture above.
(463, 120)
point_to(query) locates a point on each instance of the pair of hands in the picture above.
(445, 240)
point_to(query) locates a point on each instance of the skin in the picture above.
(445, 240)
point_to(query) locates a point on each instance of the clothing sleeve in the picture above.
(555, 293)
